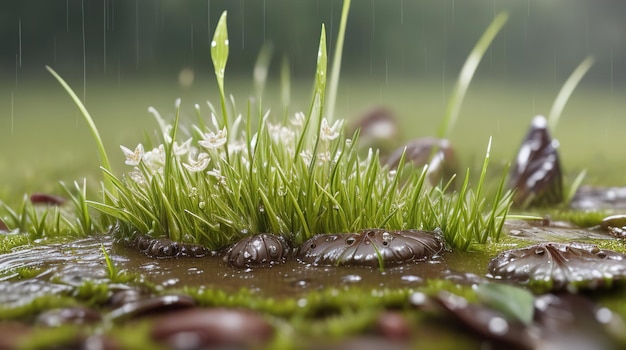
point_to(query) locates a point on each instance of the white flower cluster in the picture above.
(196, 157)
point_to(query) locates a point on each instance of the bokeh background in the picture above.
(123, 56)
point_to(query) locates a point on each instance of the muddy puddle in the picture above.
(58, 268)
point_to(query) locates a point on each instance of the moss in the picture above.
(10, 242)
(27, 310)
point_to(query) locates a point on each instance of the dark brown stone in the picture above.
(212, 328)
(371, 248)
(152, 306)
(71, 315)
(257, 250)
(536, 173)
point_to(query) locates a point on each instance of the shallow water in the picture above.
(60, 267)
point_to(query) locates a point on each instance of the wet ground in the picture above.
(160, 287)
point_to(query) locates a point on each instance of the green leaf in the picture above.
(219, 56)
(219, 50)
(515, 303)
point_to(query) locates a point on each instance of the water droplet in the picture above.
(351, 279)
(498, 326)
(411, 279)
(213, 43)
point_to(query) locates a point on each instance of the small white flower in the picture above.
(137, 176)
(199, 163)
(298, 119)
(155, 159)
(182, 149)
(306, 156)
(214, 141)
(330, 132)
(217, 173)
(133, 157)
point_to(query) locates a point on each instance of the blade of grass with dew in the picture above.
(285, 86)
(467, 73)
(566, 91)
(317, 102)
(336, 68)
(104, 159)
(219, 56)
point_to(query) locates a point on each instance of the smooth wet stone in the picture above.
(613, 221)
(123, 297)
(443, 164)
(554, 231)
(258, 250)
(46, 199)
(13, 333)
(393, 325)
(71, 315)
(378, 123)
(167, 248)
(212, 328)
(559, 266)
(572, 321)
(560, 322)
(3, 227)
(368, 246)
(599, 198)
(485, 322)
(151, 306)
(536, 173)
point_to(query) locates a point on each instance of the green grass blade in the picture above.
(261, 67)
(336, 68)
(285, 86)
(574, 187)
(467, 73)
(566, 91)
(219, 56)
(104, 160)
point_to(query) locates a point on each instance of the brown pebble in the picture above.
(44, 198)
(151, 306)
(13, 333)
(70, 315)
(124, 297)
(203, 328)
(393, 325)
(613, 221)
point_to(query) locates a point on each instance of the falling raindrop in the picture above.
(12, 110)
(137, 34)
(19, 34)
(401, 11)
(243, 22)
(104, 34)
(67, 16)
(82, 15)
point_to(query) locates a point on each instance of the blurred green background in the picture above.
(123, 56)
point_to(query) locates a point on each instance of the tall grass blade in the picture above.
(261, 67)
(104, 160)
(467, 73)
(336, 68)
(566, 91)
